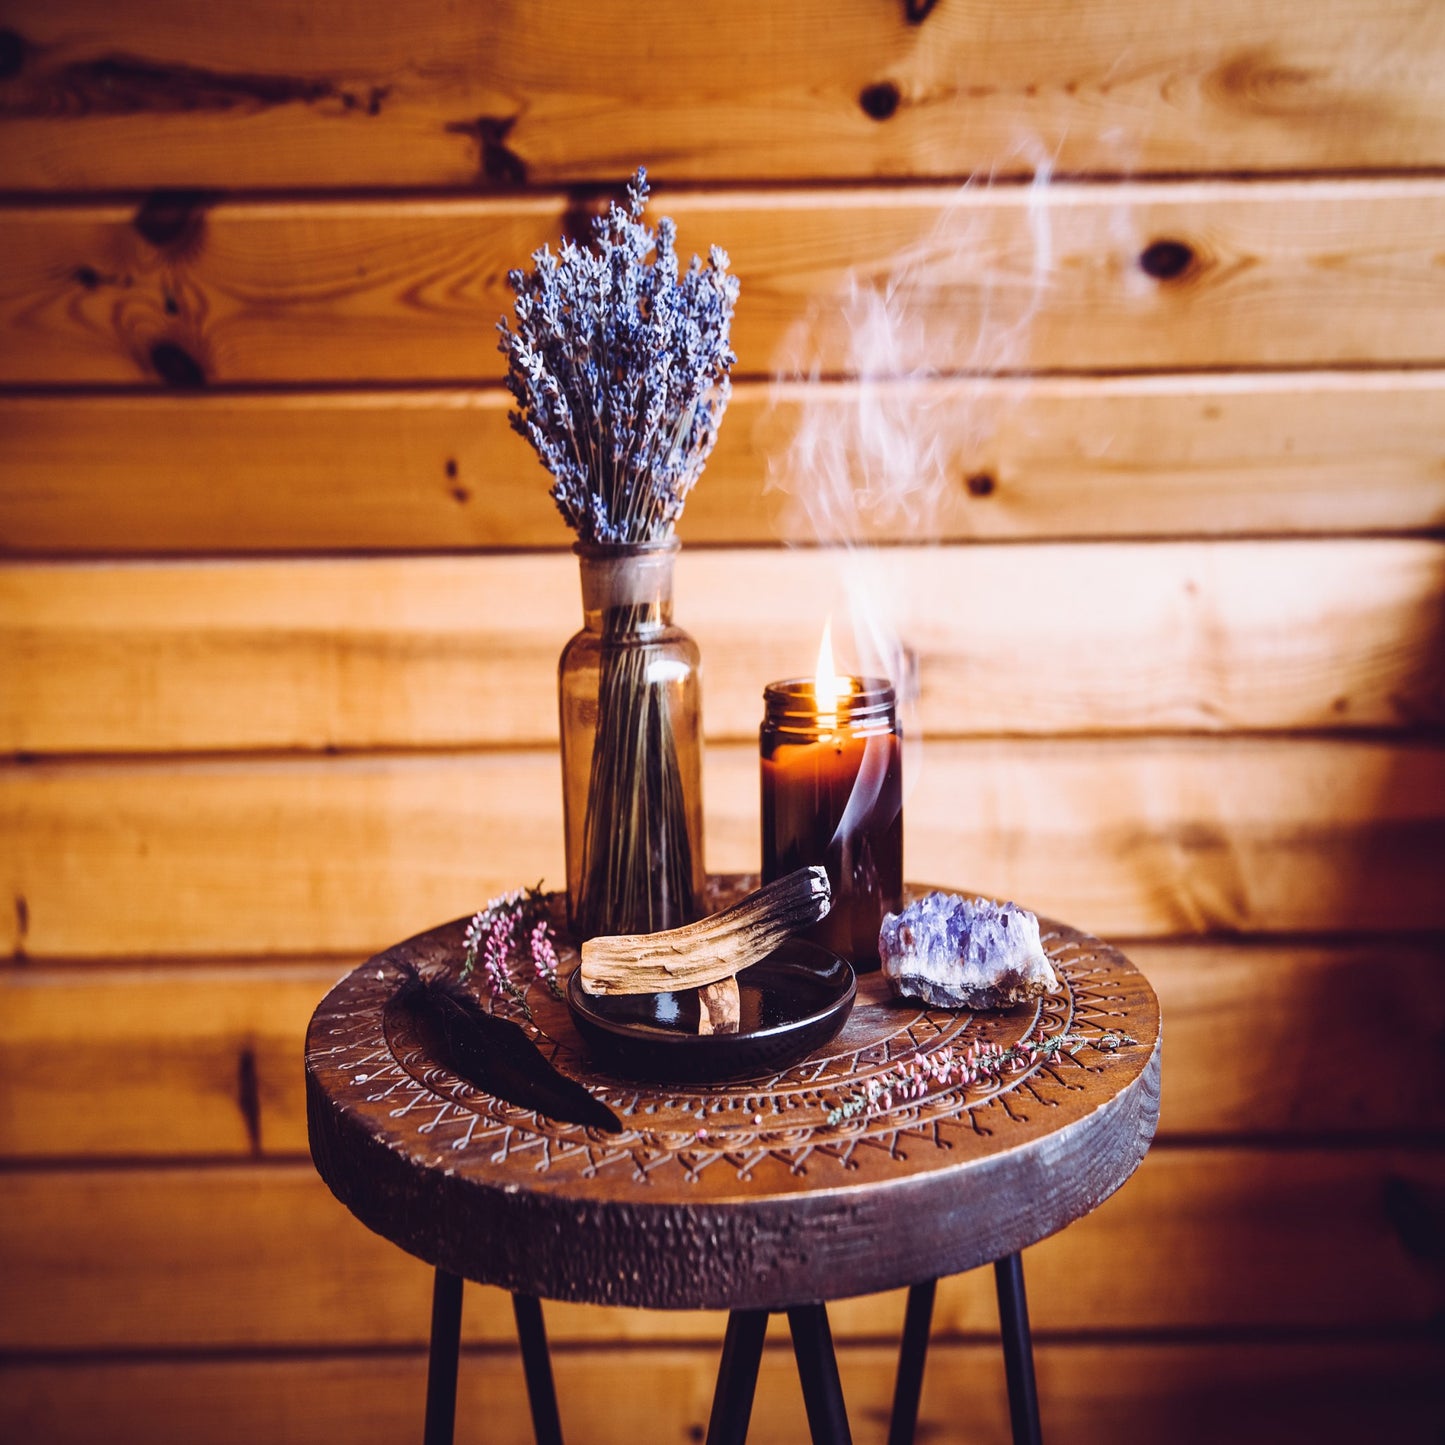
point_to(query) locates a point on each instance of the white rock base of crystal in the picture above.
(955, 952)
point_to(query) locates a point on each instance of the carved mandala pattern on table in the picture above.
(780, 1121)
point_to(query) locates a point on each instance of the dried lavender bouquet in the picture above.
(619, 364)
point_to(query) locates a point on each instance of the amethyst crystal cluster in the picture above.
(956, 952)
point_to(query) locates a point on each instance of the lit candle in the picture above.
(832, 781)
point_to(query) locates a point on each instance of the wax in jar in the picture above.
(832, 793)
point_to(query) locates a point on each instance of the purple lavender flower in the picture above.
(619, 367)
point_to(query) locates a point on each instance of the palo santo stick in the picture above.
(712, 948)
(720, 1007)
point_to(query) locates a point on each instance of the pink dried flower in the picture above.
(494, 955)
(544, 956)
(493, 937)
(951, 1067)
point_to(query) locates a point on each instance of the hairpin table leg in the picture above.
(737, 1377)
(818, 1371)
(1018, 1350)
(911, 1356)
(441, 1371)
(537, 1363)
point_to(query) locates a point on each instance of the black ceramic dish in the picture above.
(793, 1001)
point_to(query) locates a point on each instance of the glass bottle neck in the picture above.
(626, 588)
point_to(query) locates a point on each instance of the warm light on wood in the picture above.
(282, 599)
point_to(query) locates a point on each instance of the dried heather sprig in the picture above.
(544, 956)
(494, 938)
(495, 953)
(952, 1067)
(619, 367)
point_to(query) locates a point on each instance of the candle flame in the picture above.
(828, 687)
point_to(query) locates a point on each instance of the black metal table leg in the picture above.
(912, 1354)
(818, 1371)
(441, 1370)
(537, 1363)
(1018, 1350)
(737, 1377)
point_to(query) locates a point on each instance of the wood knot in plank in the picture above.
(880, 101)
(583, 207)
(1417, 1215)
(176, 366)
(248, 1096)
(1256, 81)
(458, 493)
(1166, 260)
(120, 84)
(980, 484)
(497, 164)
(174, 220)
(371, 105)
(13, 53)
(915, 12)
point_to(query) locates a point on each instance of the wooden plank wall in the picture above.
(281, 599)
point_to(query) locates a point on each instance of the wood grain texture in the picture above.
(1247, 1024)
(292, 353)
(775, 1201)
(221, 1049)
(325, 95)
(1188, 1394)
(344, 855)
(261, 1255)
(1053, 457)
(1273, 274)
(435, 652)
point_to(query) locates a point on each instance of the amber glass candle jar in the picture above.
(832, 778)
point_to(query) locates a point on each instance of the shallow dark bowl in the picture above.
(793, 1001)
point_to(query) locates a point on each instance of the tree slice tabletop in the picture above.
(825, 1181)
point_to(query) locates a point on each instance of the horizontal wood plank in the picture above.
(328, 94)
(433, 652)
(1235, 736)
(1187, 1394)
(222, 1049)
(1248, 1029)
(1051, 457)
(346, 855)
(262, 1255)
(996, 279)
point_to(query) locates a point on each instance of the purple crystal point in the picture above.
(955, 952)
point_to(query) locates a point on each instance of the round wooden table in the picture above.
(829, 1180)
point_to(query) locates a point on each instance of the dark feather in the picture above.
(494, 1054)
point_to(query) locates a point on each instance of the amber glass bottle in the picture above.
(630, 699)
